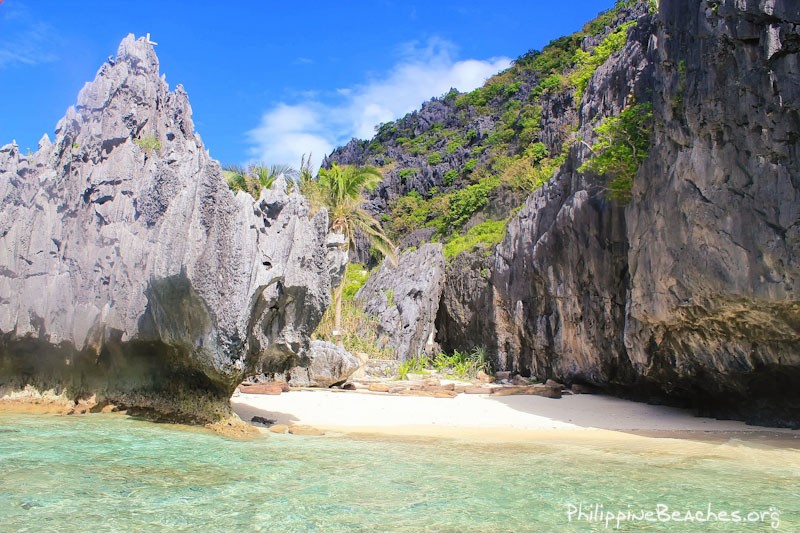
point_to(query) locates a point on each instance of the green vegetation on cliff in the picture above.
(622, 146)
(484, 235)
(586, 63)
(455, 169)
(256, 176)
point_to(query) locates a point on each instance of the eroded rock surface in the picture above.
(714, 230)
(690, 292)
(129, 270)
(328, 364)
(405, 298)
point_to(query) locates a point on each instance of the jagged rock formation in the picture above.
(130, 271)
(715, 314)
(405, 298)
(462, 320)
(459, 140)
(687, 294)
(690, 293)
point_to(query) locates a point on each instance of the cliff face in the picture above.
(130, 271)
(690, 292)
(714, 307)
(685, 293)
(405, 298)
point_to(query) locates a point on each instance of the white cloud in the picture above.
(286, 132)
(25, 41)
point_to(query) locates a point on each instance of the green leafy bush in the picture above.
(464, 203)
(512, 89)
(537, 151)
(550, 84)
(418, 364)
(406, 173)
(485, 235)
(355, 276)
(622, 145)
(435, 158)
(454, 145)
(409, 212)
(587, 62)
(149, 144)
(460, 365)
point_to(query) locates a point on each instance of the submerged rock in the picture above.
(129, 270)
(305, 430)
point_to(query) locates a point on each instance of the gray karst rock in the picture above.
(328, 364)
(690, 292)
(130, 271)
(337, 256)
(714, 309)
(405, 298)
(463, 322)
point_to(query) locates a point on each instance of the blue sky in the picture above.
(271, 80)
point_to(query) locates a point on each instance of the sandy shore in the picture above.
(483, 417)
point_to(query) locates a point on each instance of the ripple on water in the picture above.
(112, 473)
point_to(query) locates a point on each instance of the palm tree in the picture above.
(340, 189)
(255, 177)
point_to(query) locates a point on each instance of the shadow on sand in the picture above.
(659, 421)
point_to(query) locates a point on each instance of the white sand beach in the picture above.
(484, 417)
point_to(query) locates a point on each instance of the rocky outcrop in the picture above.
(688, 294)
(130, 271)
(714, 310)
(464, 321)
(328, 364)
(405, 298)
(337, 257)
(438, 112)
(559, 282)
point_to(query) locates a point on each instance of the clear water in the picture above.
(112, 473)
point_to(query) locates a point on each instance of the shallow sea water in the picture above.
(114, 473)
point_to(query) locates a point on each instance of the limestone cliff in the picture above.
(686, 293)
(689, 293)
(405, 298)
(130, 271)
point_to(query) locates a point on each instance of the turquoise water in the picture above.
(113, 473)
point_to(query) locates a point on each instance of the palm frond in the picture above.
(341, 189)
(236, 180)
(369, 226)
